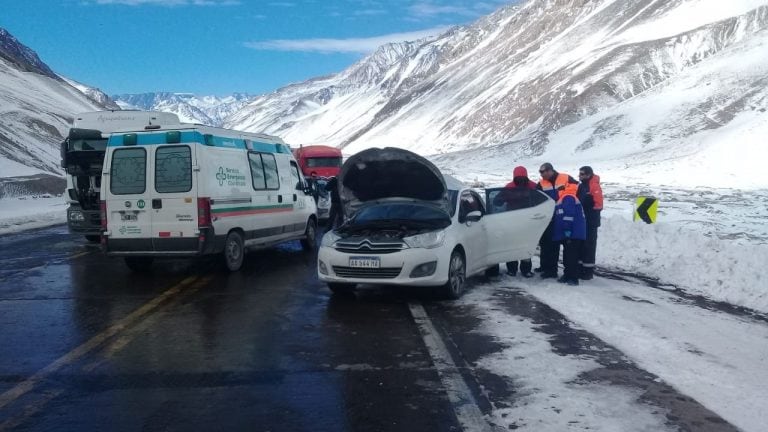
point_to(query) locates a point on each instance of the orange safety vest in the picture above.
(562, 185)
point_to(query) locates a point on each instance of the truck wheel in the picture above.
(341, 288)
(234, 252)
(457, 276)
(93, 238)
(139, 264)
(309, 242)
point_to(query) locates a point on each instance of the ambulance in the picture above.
(187, 190)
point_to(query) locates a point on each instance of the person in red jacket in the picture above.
(515, 195)
(591, 196)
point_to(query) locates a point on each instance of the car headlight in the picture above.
(428, 240)
(76, 216)
(329, 239)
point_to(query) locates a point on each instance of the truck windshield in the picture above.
(324, 162)
(87, 145)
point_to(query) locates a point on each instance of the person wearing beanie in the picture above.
(514, 196)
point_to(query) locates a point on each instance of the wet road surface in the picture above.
(88, 345)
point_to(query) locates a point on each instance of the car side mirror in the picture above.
(474, 216)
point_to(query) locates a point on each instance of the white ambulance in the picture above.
(189, 190)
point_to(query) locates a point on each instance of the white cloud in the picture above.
(165, 2)
(352, 45)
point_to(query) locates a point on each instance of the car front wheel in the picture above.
(457, 276)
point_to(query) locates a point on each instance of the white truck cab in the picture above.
(190, 190)
(82, 157)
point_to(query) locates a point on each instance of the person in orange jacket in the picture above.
(591, 196)
(556, 186)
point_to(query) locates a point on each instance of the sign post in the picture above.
(646, 209)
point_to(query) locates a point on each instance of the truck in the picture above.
(82, 156)
(319, 163)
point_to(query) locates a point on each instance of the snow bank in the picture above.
(718, 269)
(18, 214)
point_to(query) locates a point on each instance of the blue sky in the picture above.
(219, 46)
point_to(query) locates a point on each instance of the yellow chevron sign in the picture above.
(646, 209)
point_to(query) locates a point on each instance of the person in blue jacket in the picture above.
(570, 230)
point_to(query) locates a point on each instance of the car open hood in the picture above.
(382, 174)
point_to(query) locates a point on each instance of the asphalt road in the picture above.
(87, 345)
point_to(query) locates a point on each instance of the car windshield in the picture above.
(324, 162)
(87, 145)
(401, 214)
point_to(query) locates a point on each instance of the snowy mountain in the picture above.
(627, 82)
(208, 110)
(37, 107)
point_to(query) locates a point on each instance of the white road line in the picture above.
(464, 404)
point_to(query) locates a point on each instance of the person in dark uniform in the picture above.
(569, 229)
(335, 215)
(591, 196)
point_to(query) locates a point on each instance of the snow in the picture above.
(19, 214)
(9, 168)
(549, 394)
(690, 15)
(719, 269)
(718, 359)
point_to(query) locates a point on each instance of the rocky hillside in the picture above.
(37, 107)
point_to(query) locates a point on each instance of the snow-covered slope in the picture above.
(208, 110)
(630, 82)
(36, 109)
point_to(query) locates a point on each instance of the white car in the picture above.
(407, 224)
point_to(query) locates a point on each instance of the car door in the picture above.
(473, 235)
(514, 222)
(174, 197)
(127, 195)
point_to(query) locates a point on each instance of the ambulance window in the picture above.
(257, 171)
(270, 171)
(128, 174)
(173, 169)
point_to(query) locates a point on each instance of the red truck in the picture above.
(324, 162)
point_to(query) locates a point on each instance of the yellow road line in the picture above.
(25, 386)
(30, 410)
(78, 255)
(123, 340)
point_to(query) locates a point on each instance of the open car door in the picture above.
(515, 220)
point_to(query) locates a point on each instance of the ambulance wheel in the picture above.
(234, 252)
(309, 242)
(139, 264)
(93, 238)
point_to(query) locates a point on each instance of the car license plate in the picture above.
(129, 217)
(365, 262)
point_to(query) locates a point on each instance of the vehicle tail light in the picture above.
(103, 209)
(203, 212)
